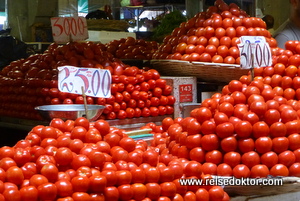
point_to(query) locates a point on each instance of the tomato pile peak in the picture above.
(213, 35)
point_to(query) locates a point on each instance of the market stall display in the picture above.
(251, 129)
(31, 82)
(82, 160)
(131, 48)
(209, 44)
(213, 35)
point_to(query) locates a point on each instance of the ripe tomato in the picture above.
(286, 158)
(294, 169)
(229, 144)
(210, 142)
(153, 190)
(224, 169)
(263, 144)
(29, 193)
(279, 170)
(260, 129)
(47, 191)
(14, 175)
(280, 144)
(152, 174)
(197, 154)
(64, 188)
(250, 158)
(243, 129)
(269, 159)
(50, 171)
(214, 156)
(241, 171)
(168, 189)
(259, 171)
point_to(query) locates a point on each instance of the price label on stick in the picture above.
(95, 82)
(66, 29)
(254, 52)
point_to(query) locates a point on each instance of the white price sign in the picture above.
(254, 52)
(66, 29)
(95, 82)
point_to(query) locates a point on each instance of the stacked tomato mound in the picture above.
(213, 35)
(250, 129)
(131, 48)
(33, 81)
(81, 160)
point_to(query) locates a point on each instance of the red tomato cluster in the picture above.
(31, 82)
(251, 129)
(81, 160)
(131, 48)
(213, 35)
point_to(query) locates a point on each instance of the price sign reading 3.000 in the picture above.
(66, 29)
(96, 82)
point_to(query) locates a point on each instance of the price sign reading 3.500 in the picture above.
(95, 82)
(66, 29)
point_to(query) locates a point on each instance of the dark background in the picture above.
(10, 136)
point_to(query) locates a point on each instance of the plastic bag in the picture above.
(11, 49)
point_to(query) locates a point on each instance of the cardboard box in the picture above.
(107, 36)
(186, 108)
(184, 90)
(38, 47)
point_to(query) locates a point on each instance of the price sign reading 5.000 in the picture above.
(66, 29)
(95, 82)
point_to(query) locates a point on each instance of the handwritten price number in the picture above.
(96, 82)
(252, 39)
(185, 88)
(254, 52)
(65, 29)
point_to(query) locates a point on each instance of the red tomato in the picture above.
(50, 171)
(279, 170)
(259, 171)
(197, 154)
(216, 193)
(280, 144)
(232, 158)
(250, 159)
(168, 189)
(286, 158)
(153, 190)
(269, 159)
(229, 144)
(263, 144)
(294, 169)
(210, 142)
(64, 188)
(193, 168)
(224, 169)
(241, 171)
(47, 191)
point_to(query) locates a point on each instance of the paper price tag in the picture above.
(254, 52)
(96, 82)
(252, 39)
(66, 29)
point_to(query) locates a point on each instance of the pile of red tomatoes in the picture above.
(81, 160)
(213, 35)
(30, 82)
(250, 129)
(131, 48)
